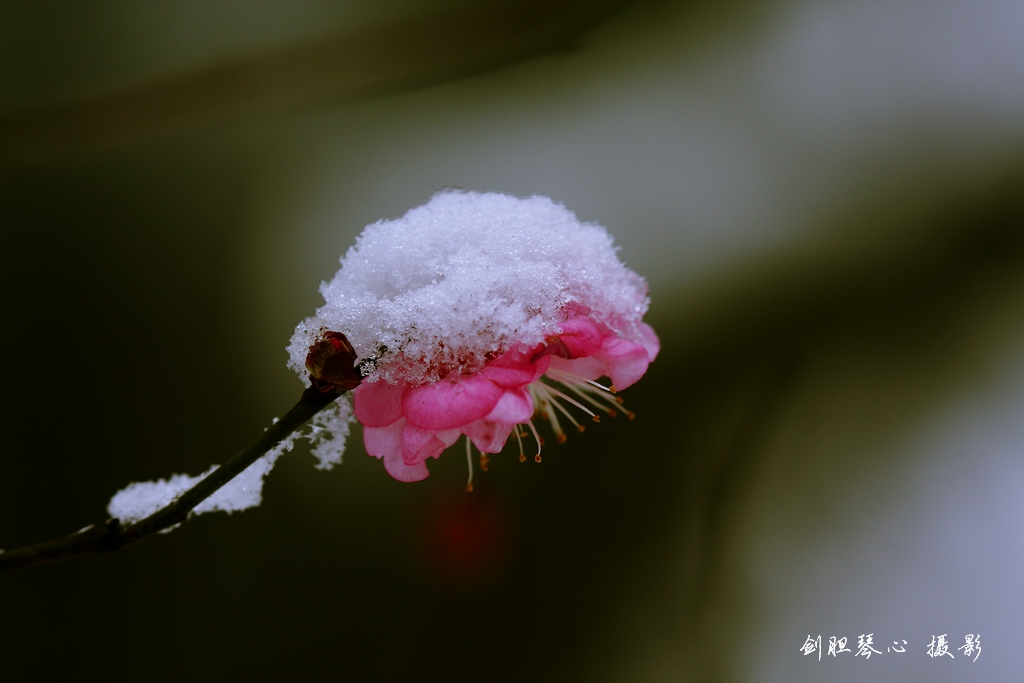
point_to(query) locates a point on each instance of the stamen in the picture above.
(546, 400)
(591, 396)
(567, 415)
(484, 461)
(536, 436)
(563, 375)
(576, 403)
(550, 415)
(519, 438)
(469, 461)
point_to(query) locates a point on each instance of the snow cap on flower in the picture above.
(468, 276)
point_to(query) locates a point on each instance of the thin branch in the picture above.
(112, 535)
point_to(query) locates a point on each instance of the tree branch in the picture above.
(112, 535)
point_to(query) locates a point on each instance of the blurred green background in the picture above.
(827, 200)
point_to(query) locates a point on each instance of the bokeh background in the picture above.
(826, 198)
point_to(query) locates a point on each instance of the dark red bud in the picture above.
(331, 363)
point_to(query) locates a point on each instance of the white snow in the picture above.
(327, 433)
(465, 276)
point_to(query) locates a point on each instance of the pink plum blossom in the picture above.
(473, 314)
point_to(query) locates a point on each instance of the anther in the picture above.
(469, 488)
(630, 414)
(537, 437)
(581, 428)
(612, 389)
(519, 438)
(597, 418)
(612, 413)
(484, 461)
(536, 458)
(562, 438)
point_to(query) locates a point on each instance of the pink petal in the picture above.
(397, 468)
(509, 377)
(405, 447)
(449, 436)
(419, 444)
(489, 437)
(626, 361)
(514, 406)
(382, 441)
(449, 405)
(584, 368)
(649, 340)
(579, 337)
(378, 404)
(512, 369)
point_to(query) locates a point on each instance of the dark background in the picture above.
(826, 201)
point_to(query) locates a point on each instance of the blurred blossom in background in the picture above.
(827, 200)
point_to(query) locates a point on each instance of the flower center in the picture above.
(549, 402)
(586, 395)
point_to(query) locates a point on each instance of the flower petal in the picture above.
(649, 340)
(514, 406)
(378, 404)
(448, 436)
(626, 361)
(396, 467)
(584, 368)
(489, 437)
(419, 444)
(579, 338)
(449, 405)
(381, 441)
(512, 369)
